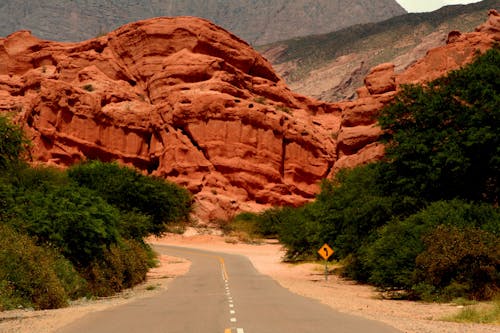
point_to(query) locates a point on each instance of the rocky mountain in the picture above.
(332, 66)
(183, 99)
(256, 21)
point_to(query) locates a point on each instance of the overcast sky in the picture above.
(429, 5)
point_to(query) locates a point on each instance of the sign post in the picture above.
(325, 252)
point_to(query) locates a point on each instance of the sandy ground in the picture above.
(305, 279)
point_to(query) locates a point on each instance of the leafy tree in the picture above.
(299, 233)
(72, 219)
(351, 207)
(443, 137)
(131, 191)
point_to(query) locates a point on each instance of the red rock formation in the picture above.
(183, 99)
(459, 51)
(178, 98)
(381, 79)
(357, 139)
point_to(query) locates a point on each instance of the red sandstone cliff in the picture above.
(184, 99)
(178, 98)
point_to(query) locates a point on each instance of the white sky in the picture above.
(414, 6)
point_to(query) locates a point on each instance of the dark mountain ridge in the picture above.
(257, 21)
(332, 66)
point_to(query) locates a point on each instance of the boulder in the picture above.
(381, 79)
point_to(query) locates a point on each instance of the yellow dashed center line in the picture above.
(223, 267)
(225, 277)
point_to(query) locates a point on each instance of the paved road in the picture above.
(222, 294)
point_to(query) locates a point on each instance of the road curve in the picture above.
(222, 293)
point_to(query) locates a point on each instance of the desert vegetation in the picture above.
(423, 223)
(78, 232)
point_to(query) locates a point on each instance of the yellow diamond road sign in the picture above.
(325, 251)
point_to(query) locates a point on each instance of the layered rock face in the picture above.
(183, 99)
(178, 98)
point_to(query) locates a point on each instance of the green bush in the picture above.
(269, 223)
(351, 207)
(75, 286)
(39, 178)
(123, 265)
(13, 144)
(460, 262)
(389, 260)
(131, 191)
(299, 233)
(134, 225)
(7, 201)
(72, 219)
(257, 225)
(245, 223)
(27, 273)
(54, 231)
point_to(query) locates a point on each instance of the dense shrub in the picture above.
(61, 241)
(73, 283)
(346, 214)
(351, 207)
(244, 225)
(7, 201)
(460, 262)
(72, 219)
(262, 225)
(12, 144)
(39, 178)
(299, 233)
(134, 225)
(27, 273)
(269, 223)
(389, 261)
(123, 265)
(131, 191)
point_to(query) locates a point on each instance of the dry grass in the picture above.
(481, 313)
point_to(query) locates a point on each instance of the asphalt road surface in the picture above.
(223, 293)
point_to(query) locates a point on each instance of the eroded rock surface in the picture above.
(178, 98)
(183, 99)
